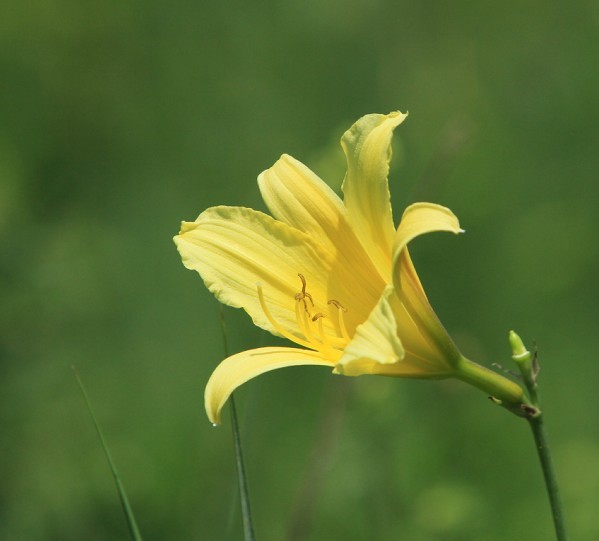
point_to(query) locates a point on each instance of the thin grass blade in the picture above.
(246, 514)
(131, 523)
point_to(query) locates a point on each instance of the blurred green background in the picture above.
(121, 118)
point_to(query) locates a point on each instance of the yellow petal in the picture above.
(239, 368)
(367, 146)
(421, 218)
(423, 359)
(411, 295)
(235, 248)
(389, 343)
(297, 196)
(418, 219)
(375, 342)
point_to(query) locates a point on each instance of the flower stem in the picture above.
(244, 495)
(246, 513)
(490, 382)
(540, 436)
(528, 365)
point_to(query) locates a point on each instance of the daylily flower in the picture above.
(334, 277)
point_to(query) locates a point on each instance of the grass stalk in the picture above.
(246, 513)
(129, 516)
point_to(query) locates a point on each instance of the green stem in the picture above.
(490, 382)
(246, 514)
(529, 368)
(244, 494)
(538, 431)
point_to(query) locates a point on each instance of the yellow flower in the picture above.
(334, 277)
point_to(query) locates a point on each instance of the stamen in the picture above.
(308, 336)
(303, 295)
(337, 304)
(322, 342)
(276, 326)
(340, 318)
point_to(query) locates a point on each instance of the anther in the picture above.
(337, 304)
(317, 316)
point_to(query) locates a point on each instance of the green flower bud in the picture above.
(519, 352)
(526, 363)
